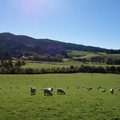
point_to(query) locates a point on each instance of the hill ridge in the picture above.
(17, 44)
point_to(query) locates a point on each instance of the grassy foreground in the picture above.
(77, 104)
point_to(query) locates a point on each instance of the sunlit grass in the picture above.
(76, 104)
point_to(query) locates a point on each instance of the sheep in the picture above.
(33, 90)
(111, 90)
(89, 89)
(99, 87)
(51, 89)
(60, 91)
(48, 91)
(118, 89)
(104, 90)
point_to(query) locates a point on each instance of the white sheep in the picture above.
(89, 89)
(48, 91)
(33, 90)
(111, 90)
(51, 89)
(104, 90)
(99, 87)
(118, 89)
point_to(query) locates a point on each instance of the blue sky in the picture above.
(87, 22)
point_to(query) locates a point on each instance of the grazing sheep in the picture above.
(60, 91)
(111, 90)
(118, 89)
(99, 87)
(51, 89)
(89, 89)
(104, 90)
(78, 87)
(47, 92)
(33, 90)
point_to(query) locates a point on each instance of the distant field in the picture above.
(68, 62)
(77, 104)
(39, 65)
(88, 55)
(76, 53)
(34, 64)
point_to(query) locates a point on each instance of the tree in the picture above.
(109, 61)
(84, 60)
(113, 69)
(58, 57)
(15, 70)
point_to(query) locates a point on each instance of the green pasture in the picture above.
(68, 62)
(39, 65)
(76, 53)
(114, 55)
(76, 104)
(89, 55)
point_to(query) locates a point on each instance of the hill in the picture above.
(19, 44)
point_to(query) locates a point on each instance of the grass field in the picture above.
(39, 65)
(77, 104)
(67, 62)
(88, 55)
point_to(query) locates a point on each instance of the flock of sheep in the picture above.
(49, 91)
(104, 89)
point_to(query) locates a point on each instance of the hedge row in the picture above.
(71, 69)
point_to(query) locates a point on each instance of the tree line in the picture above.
(7, 66)
(72, 69)
(99, 59)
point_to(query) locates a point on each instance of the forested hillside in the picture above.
(18, 45)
